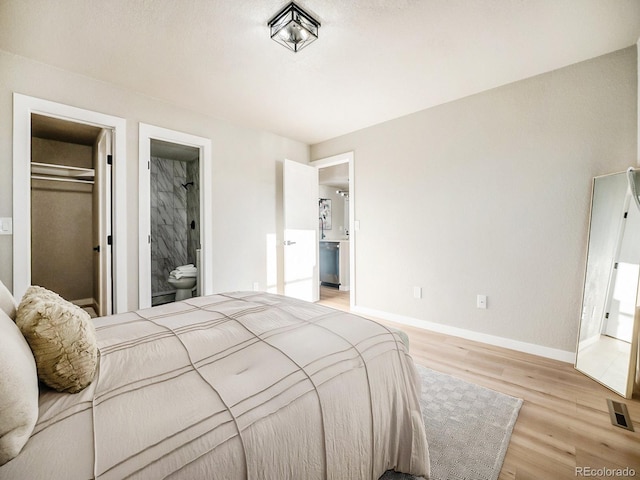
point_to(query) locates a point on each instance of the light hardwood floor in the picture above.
(564, 422)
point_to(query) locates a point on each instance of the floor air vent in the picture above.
(619, 414)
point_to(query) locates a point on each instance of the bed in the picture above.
(242, 385)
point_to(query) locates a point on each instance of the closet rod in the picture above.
(61, 179)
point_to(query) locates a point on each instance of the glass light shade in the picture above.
(293, 27)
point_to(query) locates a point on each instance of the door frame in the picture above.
(347, 157)
(103, 174)
(205, 274)
(23, 107)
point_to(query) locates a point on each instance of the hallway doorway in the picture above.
(337, 227)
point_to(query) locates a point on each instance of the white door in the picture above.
(103, 179)
(300, 205)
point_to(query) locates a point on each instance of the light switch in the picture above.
(6, 226)
(481, 301)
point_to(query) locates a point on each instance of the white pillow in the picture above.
(62, 338)
(18, 390)
(7, 302)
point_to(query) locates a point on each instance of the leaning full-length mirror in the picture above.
(608, 336)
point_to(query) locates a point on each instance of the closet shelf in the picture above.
(50, 169)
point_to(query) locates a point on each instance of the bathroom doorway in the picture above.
(175, 220)
(175, 239)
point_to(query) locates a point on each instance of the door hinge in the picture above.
(109, 240)
(615, 266)
(625, 214)
(149, 240)
(109, 159)
(606, 315)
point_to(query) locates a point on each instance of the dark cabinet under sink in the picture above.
(330, 263)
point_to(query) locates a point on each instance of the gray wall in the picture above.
(243, 182)
(492, 196)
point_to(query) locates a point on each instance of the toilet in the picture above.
(183, 279)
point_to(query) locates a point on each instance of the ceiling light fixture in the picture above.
(293, 27)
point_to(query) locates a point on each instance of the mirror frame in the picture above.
(633, 362)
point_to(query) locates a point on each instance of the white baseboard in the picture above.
(542, 351)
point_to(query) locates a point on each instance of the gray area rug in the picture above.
(468, 428)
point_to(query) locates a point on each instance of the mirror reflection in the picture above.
(607, 343)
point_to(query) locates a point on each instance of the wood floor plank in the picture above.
(564, 422)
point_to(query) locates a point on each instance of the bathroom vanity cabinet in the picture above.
(334, 263)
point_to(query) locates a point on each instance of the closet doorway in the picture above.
(71, 211)
(60, 116)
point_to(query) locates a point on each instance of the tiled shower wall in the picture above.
(193, 211)
(173, 241)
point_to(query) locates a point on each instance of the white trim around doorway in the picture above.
(205, 275)
(23, 107)
(346, 157)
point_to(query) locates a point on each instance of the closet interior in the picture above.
(66, 202)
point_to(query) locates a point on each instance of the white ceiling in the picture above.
(375, 60)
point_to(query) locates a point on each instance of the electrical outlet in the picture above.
(256, 286)
(481, 301)
(417, 292)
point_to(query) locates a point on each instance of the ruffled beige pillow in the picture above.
(62, 338)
